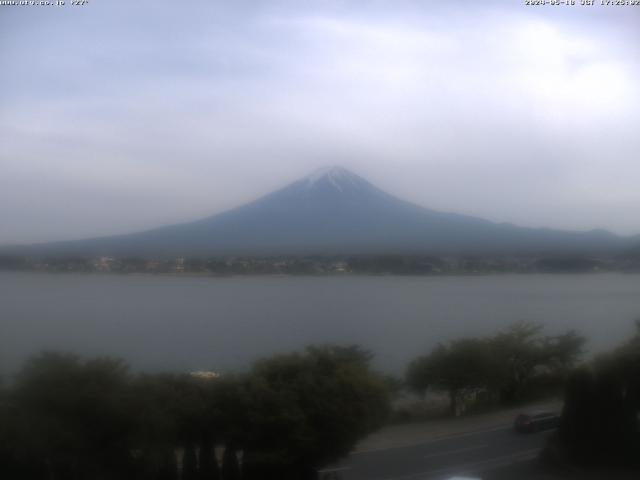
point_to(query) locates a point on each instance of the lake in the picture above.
(194, 323)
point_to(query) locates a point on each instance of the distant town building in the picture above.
(205, 374)
(179, 266)
(152, 266)
(104, 264)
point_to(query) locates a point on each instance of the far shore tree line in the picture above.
(324, 264)
(64, 417)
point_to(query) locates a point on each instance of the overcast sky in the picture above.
(123, 115)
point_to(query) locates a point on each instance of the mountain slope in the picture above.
(336, 211)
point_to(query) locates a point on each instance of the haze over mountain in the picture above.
(334, 211)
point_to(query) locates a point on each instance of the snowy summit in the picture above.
(337, 176)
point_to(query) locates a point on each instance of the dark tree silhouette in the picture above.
(230, 465)
(602, 404)
(501, 366)
(74, 417)
(190, 463)
(310, 409)
(208, 465)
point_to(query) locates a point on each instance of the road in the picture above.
(471, 454)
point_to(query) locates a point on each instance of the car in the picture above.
(536, 421)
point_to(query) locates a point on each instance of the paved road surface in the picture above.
(476, 453)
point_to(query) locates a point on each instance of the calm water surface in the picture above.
(225, 323)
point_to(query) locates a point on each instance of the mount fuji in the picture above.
(334, 211)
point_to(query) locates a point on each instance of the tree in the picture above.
(460, 368)
(500, 366)
(190, 463)
(577, 411)
(230, 465)
(600, 418)
(600, 415)
(562, 352)
(170, 413)
(73, 416)
(309, 409)
(523, 353)
(68, 418)
(209, 469)
(520, 351)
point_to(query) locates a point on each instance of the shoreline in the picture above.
(320, 275)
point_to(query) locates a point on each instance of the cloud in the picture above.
(181, 112)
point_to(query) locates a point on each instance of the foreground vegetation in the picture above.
(72, 419)
(69, 419)
(514, 365)
(600, 421)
